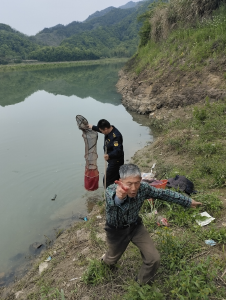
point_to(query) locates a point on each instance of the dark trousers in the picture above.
(118, 240)
(112, 172)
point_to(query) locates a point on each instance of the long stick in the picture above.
(105, 173)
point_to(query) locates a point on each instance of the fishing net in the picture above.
(90, 137)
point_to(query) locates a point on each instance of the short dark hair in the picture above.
(102, 124)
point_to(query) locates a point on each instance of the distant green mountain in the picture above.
(14, 44)
(115, 34)
(101, 13)
(4, 27)
(55, 35)
(130, 4)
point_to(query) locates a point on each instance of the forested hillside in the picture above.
(110, 16)
(55, 35)
(114, 33)
(100, 13)
(115, 36)
(130, 4)
(14, 44)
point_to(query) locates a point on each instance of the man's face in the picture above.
(133, 183)
(104, 131)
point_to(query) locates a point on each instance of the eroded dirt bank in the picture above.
(169, 87)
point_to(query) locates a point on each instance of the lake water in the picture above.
(42, 151)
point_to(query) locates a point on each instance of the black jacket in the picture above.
(114, 143)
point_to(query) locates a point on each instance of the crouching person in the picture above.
(123, 225)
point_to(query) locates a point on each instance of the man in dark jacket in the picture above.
(113, 148)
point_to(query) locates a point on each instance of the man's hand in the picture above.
(106, 156)
(90, 126)
(120, 192)
(194, 204)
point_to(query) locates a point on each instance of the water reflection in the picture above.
(42, 152)
(81, 81)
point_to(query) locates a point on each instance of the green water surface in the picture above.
(42, 151)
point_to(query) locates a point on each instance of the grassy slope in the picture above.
(189, 268)
(192, 143)
(187, 49)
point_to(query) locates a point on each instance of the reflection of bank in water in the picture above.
(81, 81)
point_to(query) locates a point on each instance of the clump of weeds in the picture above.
(97, 272)
(194, 281)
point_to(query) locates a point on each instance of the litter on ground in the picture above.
(148, 176)
(210, 242)
(161, 221)
(42, 267)
(74, 278)
(49, 258)
(207, 220)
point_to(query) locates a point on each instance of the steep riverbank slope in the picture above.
(179, 68)
(149, 91)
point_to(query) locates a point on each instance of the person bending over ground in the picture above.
(123, 225)
(114, 155)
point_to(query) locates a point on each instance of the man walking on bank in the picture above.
(113, 148)
(123, 224)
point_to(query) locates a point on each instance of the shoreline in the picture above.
(50, 65)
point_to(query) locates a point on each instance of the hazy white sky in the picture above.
(31, 16)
